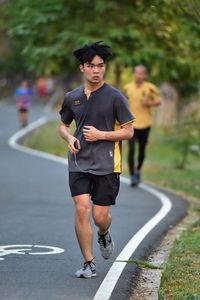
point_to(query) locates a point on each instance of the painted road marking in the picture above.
(19, 134)
(26, 249)
(107, 286)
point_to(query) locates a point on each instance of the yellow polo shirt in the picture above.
(134, 93)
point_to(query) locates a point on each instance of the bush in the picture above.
(186, 135)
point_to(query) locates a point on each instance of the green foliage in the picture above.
(141, 264)
(180, 279)
(187, 135)
(163, 36)
(47, 139)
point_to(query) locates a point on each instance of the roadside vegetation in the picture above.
(180, 279)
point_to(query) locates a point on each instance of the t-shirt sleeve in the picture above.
(122, 112)
(66, 113)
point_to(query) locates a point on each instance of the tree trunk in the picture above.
(117, 75)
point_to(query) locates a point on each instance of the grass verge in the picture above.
(141, 263)
(180, 278)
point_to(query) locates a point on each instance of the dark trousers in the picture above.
(141, 137)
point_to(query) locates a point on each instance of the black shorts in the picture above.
(23, 110)
(102, 188)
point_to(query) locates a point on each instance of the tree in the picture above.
(163, 36)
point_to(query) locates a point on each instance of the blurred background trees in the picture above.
(164, 35)
(38, 37)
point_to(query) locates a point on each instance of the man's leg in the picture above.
(131, 160)
(80, 185)
(23, 118)
(82, 225)
(142, 140)
(131, 154)
(84, 235)
(102, 218)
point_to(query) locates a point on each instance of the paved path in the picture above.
(36, 211)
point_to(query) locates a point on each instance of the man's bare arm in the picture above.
(150, 102)
(92, 134)
(64, 131)
(152, 99)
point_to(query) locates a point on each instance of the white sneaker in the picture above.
(87, 271)
(106, 245)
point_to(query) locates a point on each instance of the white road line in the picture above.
(12, 142)
(107, 286)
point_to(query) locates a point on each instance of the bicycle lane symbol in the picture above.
(28, 249)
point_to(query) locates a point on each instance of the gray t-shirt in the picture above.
(106, 109)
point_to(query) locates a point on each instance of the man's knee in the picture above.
(82, 213)
(100, 217)
(82, 209)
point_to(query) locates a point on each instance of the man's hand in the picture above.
(147, 101)
(91, 134)
(73, 145)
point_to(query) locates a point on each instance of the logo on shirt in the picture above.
(77, 102)
(111, 153)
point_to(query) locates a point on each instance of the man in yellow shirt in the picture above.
(142, 96)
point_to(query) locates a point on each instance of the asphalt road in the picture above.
(36, 209)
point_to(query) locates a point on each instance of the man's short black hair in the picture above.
(88, 52)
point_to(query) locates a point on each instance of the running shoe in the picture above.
(87, 271)
(135, 179)
(106, 245)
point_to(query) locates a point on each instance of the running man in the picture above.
(142, 96)
(102, 120)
